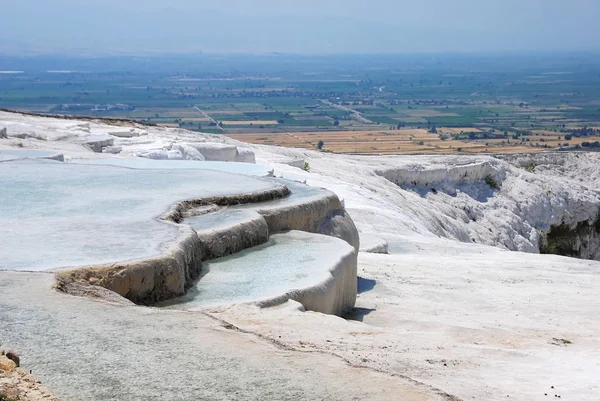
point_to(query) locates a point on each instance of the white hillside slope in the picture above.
(463, 303)
(448, 196)
(510, 216)
(475, 321)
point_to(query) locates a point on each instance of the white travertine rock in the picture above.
(112, 149)
(188, 152)
(468, 320)
(67, 340)
(217, 151)
(298, 163)
(371, 243)
(162, 154)
(229, 231)
(512, 216)
(336, 292)
(245, 156)
(125, 134)
(18, 153)
(316, 270)
(78, 215)
(97, 142)
(155, 154)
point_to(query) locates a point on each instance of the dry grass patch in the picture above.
(408, 141)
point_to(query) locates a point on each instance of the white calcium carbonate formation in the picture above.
(453, 299)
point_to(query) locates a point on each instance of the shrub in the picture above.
(491, 181)
(306, 166)
(530, 168)
(547, 245)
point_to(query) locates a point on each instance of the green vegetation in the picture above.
(566, 241)
(531, 167)
(548, 245)
(484, 98)
(491, 181)
(561, 342)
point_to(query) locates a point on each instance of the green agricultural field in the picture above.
(554, 94)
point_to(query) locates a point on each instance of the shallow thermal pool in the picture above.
(238, 214)
(57, 214)
(293, 260)
(220, 219)
(15, 154)
(143, 163)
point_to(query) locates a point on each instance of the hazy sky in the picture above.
(301, 26)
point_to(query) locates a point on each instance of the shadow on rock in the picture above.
(357, 314)
(365, 284)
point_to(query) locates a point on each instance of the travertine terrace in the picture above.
(114, 236)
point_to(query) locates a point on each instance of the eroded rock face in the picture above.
(18, 384)
(224, 241)
(489, 201)
(146, 281)
(447, 179)
(335, 296)
(339, 224)
(581, 241)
